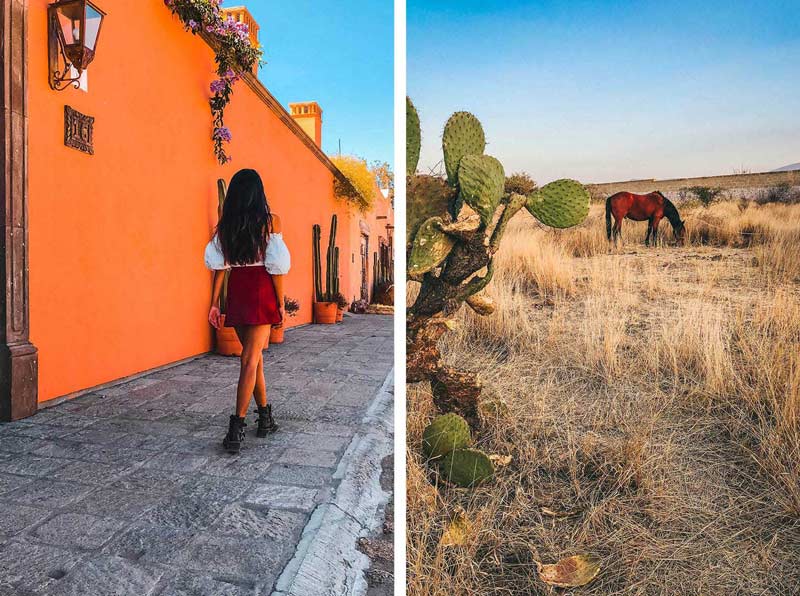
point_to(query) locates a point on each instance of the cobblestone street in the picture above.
(127, 491)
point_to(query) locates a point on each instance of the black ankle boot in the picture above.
(235, 437)
(266, 423)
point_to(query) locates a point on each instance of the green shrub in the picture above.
(520, 183)
(783, 193)
(705, 194)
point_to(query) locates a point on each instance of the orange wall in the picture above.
(117, 281)
(377, 230)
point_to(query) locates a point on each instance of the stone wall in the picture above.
(735, 186)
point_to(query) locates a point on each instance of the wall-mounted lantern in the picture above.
(73, 30)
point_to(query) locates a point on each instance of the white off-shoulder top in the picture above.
(277, 259)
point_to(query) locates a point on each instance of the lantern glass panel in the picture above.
(93, 20)
(69, 22)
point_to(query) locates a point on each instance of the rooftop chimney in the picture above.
(308, 115)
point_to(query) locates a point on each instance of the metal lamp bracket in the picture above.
(57, 75)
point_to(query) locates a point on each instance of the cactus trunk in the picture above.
(331, 265)
(222, 190)
(336, 271)
(317, 264)
(331, 274)
(328, 274)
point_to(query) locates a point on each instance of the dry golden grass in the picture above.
(654, 396)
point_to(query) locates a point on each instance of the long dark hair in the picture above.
(246, 220)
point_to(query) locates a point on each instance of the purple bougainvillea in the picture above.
(235, 54)
(223, 133)
(217, 86)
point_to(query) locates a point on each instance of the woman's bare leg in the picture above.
(260, 391)
(252, 338)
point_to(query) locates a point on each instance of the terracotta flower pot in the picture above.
(339, 314)
(325, 313)
(276, 335)
(227, 341)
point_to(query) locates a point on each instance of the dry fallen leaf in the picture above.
(457, 531)
(570, 572)
(500, 461)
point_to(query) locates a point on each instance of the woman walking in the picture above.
(248, 241)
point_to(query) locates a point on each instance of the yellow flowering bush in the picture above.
(361, 190)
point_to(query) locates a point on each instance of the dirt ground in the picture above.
(380, 546)
(652, 421)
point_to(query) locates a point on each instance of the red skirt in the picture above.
(252, 299)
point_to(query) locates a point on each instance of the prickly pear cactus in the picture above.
(444, 434)
(466, 468)
(560, 204)
(427, 196)
(463, 135)
(481, 179)
(413, 138)
(430, 247)
(451, 252)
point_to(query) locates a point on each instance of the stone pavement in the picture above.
(126, 490)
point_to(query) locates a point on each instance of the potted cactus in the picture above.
(341, 305)
(227, 342)
(325, 302)
(290, 307)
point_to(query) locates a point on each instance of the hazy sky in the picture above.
(339, 53)
(604, 91)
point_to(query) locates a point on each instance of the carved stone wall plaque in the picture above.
(78, 130)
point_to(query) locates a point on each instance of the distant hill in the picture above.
(789, 168)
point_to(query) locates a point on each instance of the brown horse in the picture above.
(650, 207)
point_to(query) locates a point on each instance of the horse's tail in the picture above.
(608, 217)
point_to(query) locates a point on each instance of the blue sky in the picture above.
(603, 91)
(340, 54)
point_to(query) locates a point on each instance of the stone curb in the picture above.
(326, 561)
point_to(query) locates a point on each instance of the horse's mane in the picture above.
(670, 211)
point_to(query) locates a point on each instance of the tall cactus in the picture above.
(222, 190)
(336, 271)
(331, 275)
(331, 264)
(450, 250)
(316, 233)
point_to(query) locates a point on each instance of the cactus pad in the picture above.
(427, 196)
(482, 180)
(560, 204)
(466, 467)
(445, 434)
(413, 138)
(463, 135)
(429, 248)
